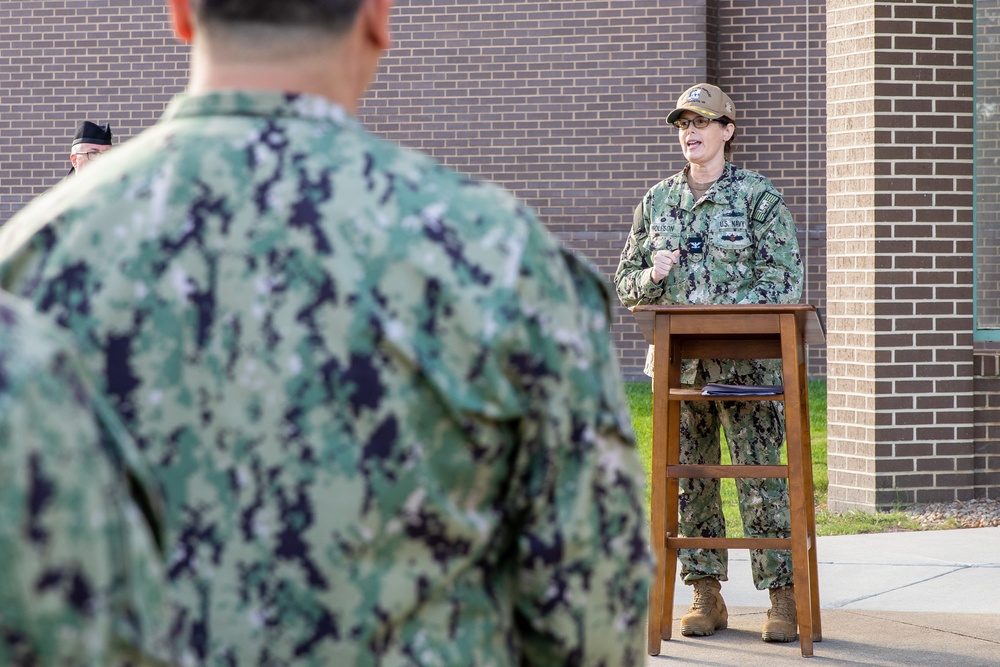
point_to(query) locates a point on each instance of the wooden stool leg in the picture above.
(663, 491)
(799, 478)
(817, 629)
(814, 576)
(671, 442)
(803, 578)
(670, 556)
(655, 606)
(667, 619)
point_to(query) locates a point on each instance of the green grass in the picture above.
(851, 523)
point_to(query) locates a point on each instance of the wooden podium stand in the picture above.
(730, 332)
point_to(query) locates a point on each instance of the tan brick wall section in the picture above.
(850, 252)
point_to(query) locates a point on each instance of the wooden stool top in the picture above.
(733, 319)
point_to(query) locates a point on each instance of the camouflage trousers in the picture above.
(755, 432)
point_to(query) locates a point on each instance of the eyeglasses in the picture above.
(91, 155)
(699, 122)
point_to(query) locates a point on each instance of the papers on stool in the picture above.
(716, 389)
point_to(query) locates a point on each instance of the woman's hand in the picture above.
(663, 262)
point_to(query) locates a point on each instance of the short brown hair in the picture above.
(330, 15)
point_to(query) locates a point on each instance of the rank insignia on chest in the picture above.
(695, 244)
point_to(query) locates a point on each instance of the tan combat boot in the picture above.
(781, 624)
(708, 611)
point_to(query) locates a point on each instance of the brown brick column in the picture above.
(899, 275)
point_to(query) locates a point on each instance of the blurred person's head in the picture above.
(89, 142)
(324, 47)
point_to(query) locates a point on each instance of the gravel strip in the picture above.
(978, 513)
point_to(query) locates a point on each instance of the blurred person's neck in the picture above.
(338, 71)
(339, 67)
(313, 74)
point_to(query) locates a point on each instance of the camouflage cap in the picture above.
(706, 100)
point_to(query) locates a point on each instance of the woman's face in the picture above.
(706, 145)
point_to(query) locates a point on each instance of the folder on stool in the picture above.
(718, 389)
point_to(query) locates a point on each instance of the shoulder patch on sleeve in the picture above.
(764, 206)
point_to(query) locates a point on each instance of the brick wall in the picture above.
(900, 356)
(562, 103)
(65, 61)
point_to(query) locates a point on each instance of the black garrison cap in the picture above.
(92, 133)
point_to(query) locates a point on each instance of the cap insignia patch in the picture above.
(695, 95)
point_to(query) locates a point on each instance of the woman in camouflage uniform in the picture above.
(718, 234)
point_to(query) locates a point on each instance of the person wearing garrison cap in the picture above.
(719, 234)
(89, 142)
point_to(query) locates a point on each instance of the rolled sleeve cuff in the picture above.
(650, 289)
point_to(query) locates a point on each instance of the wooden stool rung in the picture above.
(725, 471)
(728, 543)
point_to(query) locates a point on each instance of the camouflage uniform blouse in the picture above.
(381, 399)
(82, 578)
(738, 245)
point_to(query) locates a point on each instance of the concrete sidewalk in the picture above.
(913, 599)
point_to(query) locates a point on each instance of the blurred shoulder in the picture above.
(427, 181)
(28, 341)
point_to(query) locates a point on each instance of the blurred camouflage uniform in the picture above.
(82, 577)
(738, 245)
(381, 399)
